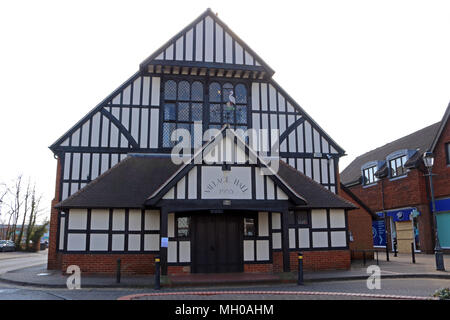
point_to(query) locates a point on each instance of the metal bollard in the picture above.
(118, 271)
(300, 269)
(157, 273)
(413, 253)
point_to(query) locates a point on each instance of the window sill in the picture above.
(398, 177)
(370, 185)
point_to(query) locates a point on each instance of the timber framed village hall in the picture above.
(259, 185)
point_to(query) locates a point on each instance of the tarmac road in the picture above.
(10, 261)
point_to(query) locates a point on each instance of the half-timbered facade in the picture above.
(119, 192)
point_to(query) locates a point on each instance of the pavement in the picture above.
(397, 268)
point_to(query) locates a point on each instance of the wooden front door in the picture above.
(217, 245)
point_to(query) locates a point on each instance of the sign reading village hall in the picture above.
(234, 184)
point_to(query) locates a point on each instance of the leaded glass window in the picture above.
(228, 105)
(183, 104)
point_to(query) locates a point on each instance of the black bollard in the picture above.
(395, 247)
(413, 253)
(300, 269)
(157, 273)
(118, 271)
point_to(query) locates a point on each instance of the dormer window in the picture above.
(397, 166)
(369, 175)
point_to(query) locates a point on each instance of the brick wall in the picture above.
(107, 263)
(258, 268)
(178, 270)
(277, 258)
(322, 260)
(441, 179)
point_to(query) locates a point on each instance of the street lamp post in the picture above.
(428, 160)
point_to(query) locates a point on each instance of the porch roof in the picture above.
(131, 181)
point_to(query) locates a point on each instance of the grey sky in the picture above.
(367, 71)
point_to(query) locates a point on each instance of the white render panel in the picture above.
(276, 240)
(209, 39)
(134, 242)
(137, 92)
(169, 52)
(259, 184)
(248, 59)
(66, 165)
(272, 98)
(85, 134)
(100, 219)
(134, 220)
(270, 188)
(319, 218)
(324, 166)
(172, 252)
(262, 250)
(179, 49)
(181, 188)
(320, 239)
(331, 171)
(118, 242)
(156, 83)
(292, 238)
(95, 165)
(255, 97)
(98, 242)
(228, 48)
(151, 242)
(219, 43)
(126, 95)
(144, 128)
(135, 123)
(154, 128)
(85, 166)
(276, 220)
(263, 224)
(170, 194)
(338, 239)
(199, 41)
(171, 225)
(316, 141)
(62, 224)
(78, 219)
(146, 91)
(189, 44)
(151, 220)
(337, 218)
(264, 97)
(118, 220)
(308, 137)
(192, 183)
(249, 250)
(316, 170)
(239, 53)
(76, 138)
(76, 241)
(281, 195)
(75, 166)
(303, 238)
(185, 251)
(300, 145)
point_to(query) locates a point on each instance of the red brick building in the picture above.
(391, 180)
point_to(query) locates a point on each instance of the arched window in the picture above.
(183, 104)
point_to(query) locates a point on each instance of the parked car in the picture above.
(7, 245)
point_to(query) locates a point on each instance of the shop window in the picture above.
(183, 226)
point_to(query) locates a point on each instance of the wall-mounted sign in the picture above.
(233, 184)
(164, 242)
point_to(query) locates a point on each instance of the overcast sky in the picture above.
(368, 72)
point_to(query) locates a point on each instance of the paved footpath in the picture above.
(396, 268)
(11, 261)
